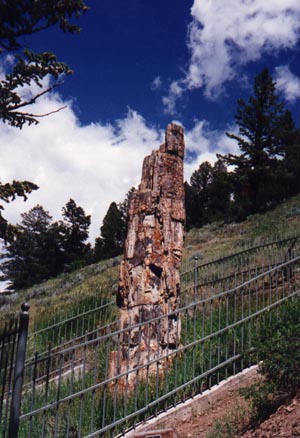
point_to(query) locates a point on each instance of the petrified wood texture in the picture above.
(149, 274)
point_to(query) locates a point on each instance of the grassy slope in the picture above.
(67, 294)
(217, 239)
(87, 287)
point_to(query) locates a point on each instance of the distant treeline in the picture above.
(42, 249)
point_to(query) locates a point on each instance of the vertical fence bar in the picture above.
(19, 373)
(34, 379)
(8, 368)
(195, 278)
(2, 370)
(47, 376)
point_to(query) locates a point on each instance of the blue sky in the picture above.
(129, 53)
(139, 65)
(122, 48)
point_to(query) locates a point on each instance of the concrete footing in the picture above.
(196, 406)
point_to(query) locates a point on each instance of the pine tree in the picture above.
(74, 231)
(32, 255)
(123, 208)
(200, 184)
(261, 142)
(208, 195)
(220, 191)
(8, 193)
(190, 206)
(290, 151)
(113, 233)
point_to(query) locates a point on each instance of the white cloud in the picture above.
(175, 92)
(156, 83)
(287, 83)
(204, 143)
(94, 164)
(225, 35)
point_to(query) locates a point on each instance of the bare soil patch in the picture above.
(230, 406)
(284, 423)
(233, 408)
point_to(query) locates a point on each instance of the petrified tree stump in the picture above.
(149, 274)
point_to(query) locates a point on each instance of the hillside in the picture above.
(75, 327)
(96, 284)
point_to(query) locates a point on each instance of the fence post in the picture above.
(19, 373)
(195, 278)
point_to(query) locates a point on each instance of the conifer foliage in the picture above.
(8, 193)
(42, 249)
(32, 254)
(207, 197)
(266, 131)
(266, 171)
(74, 231)
(113, 233)
(19, 18)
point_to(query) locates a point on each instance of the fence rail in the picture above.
(202, 280)
(198, 281)
(74, 392)
(72, 327)
(74, 385)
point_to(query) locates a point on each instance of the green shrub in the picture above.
(278, 350)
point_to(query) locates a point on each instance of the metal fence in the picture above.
(74, 392)
(13, 338)
(201, 280)
(70, 389)
(198, 280)
(73, 329)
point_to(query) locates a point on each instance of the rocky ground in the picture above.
(231, 413)
(284, 423)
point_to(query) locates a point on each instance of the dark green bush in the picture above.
(278, 350)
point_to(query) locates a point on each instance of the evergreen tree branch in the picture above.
(30, 68)
(22, 17)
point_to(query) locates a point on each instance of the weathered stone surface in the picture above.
(149, 274)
